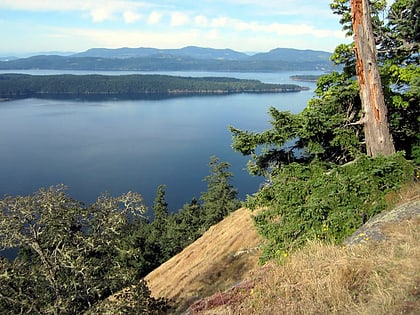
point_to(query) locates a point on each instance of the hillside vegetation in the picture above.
(129, 86)
(184, 59)
(71, 257)
(371, 276)
(324, 182)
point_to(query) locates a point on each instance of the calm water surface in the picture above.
(116, 146)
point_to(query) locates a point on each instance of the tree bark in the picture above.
(375, 121)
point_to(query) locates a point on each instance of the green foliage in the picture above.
(342, 8)
(190, 222)
(324, 201)
(320, 183)
(397, 38)
(400, 39)
(128, 86)
(160, 209)
(221, 197)
(185, 226)
(71, 256)
(326, 129)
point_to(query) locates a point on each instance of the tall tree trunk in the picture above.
(375, 121)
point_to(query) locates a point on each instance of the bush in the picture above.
(324, 201)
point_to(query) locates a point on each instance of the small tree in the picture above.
(158, 238)
(187, 224)
(221, 197)
(160, 209)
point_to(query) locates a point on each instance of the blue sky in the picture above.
(28, 26)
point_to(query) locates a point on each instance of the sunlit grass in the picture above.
(373, 277)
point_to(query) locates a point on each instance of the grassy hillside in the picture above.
(370, 277)
(216, 261)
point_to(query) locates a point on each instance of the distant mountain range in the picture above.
(189, 58)
(190, 51)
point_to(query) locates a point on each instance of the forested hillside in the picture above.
(184, 59)
(129, 86)
(74, 256)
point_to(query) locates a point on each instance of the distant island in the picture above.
(183, 59)
(305, 78)
(13, 86)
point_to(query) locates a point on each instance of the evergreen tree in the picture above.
(221, 196)
(190, 223)
(314, 193)
(395, 30)
(160, 209)
(159, 228)
(330, 127)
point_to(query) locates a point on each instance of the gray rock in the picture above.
(372, 229)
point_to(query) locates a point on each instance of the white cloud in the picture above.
(287, 7)
(201, 20)
(103, 11)
(131, 17)
(154, 17)
(267, 24)
(179, 19)
(98, 10)
(101, 14)
(283, 29)
(45, 5)
(87, 38)
(220, 22)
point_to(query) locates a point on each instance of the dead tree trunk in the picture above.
(375, 121)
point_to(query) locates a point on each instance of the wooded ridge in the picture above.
(132, 86)
(184, 59)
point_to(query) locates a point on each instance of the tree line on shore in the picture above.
(66, 85)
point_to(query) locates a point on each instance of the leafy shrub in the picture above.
(324, 201)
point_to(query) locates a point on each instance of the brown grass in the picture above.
(372, 277)
(216, 261)
(408, 192)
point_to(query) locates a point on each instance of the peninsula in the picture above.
(14, 86)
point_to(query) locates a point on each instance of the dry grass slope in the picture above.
(368, 277)
(377, 278)
(219, 259)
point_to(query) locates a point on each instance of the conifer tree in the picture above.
(160, 209)
(221, 196)
(158, 238)
(191, 222)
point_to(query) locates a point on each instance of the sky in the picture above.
(30, 26)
